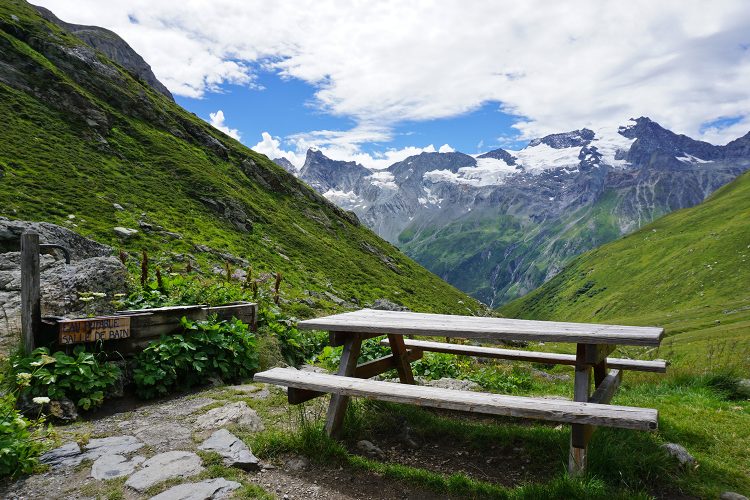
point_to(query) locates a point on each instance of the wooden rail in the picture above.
(658, 365)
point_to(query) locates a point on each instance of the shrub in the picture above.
(296, 347)
(82, 377)
(438, 365)
(206, 349)
(19, 445)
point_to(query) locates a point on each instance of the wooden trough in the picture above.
(143, 325)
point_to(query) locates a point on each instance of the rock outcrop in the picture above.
(92, 269)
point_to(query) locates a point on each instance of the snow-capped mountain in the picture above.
(499, 224)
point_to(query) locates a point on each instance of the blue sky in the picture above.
(286, 107)
(375, 82)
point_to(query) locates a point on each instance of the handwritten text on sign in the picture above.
(75, 331)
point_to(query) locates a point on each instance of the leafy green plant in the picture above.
(438, 365)
(83, 377)
(206, 349)
(20, 443)
(495, 380)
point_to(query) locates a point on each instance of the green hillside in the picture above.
(80, 134)
(688, 271)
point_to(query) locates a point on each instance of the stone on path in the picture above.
(165, 466)
(113, 445)
(233, 413)
(163, 434)
(66, 455)
(209, 489)
(112, 466)
(235, 452)
(680, 453)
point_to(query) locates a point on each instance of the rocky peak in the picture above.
(285, 164)
(112, 46)
(414, 167)
(573, 139)
(500, 154)
(323, 173)
(652, 139)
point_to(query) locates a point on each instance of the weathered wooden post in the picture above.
(31, 307)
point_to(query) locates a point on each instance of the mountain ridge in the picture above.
(501, 223)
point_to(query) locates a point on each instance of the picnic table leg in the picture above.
(347, 368)
(580, 433)
(402, 360)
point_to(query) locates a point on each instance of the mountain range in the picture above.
(498, 225)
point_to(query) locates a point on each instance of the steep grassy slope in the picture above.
(81, 134)
(688, 271)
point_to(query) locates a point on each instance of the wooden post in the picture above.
(347, 368)
(401, 357)
(580, 433)
(31, 307)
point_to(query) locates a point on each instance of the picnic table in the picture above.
(596, 379)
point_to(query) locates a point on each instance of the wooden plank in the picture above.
(494, 404)
(339, 402)
(365, 370)
(658, 365)
(31, 305)
(401, 359)
(407, 323)
(606, 390)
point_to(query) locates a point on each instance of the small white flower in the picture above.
(99, 295)
(40, 400)
(86, 299)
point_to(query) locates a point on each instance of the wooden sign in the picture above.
(75, 331)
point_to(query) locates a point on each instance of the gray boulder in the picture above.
(78, 246)
(92, 269)
(235, 452)
(681, 454)
(452, 383)
(387, 305)
(370, 449)
(163, 466)
(124, 232)
(209, 489)
(731, 495)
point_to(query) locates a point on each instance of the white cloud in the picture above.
(556, 65)
(217, 120)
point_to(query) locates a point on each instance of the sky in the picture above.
(377, 81)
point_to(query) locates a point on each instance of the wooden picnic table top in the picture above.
(443, 325)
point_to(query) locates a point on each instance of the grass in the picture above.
(688, 271)
(696, 411)
(168, 168)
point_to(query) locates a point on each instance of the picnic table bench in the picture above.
(586, 411)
